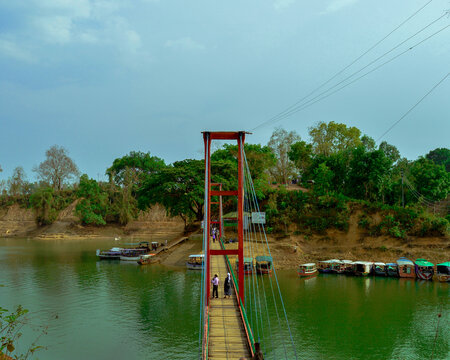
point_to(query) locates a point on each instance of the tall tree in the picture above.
(17, 183)
(180, 187)
(301, 155)
(93, 206)
(333, 137)
(280, 142)
(369, 171)
(431, 180)
(259, 158)
(440, 156)
(57, 168)
(390, 151)
(140, 164)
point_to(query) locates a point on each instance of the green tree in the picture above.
(259, 158)
(330, 138)
(322, 178)
(431, 180)
(45, 204)
(390, 151)
(93, 205)
(301, 155)
(368, 142)
(280, 143)
(440, 156)
(125, 204)
(369, 173)
(180, 187)
(142, 165)
(57, 168)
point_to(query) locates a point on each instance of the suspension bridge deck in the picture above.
(227, 335)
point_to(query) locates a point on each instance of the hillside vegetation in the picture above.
(305, 187)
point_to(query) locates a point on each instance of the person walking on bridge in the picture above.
(215, 283)
(227, 286)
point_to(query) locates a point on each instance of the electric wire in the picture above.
(414, 106)
(351, 63)
(323, 95)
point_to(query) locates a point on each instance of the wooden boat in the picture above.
(111, 254)
(146, 259)
(195, 262)
(264, 265)
(337, 267)
(306, 270)
(348, 264)
(379, 269)
(424, 269)
(362, 268)
(248, 265)
(405, 268)
(392, 269)
(443, 272)
(133, 254)
(326, 266)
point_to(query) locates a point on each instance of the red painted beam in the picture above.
(223, 193)
(224, 252)
(216, 184)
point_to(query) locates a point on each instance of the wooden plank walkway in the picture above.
(227, 337)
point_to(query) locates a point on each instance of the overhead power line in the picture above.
(301, 102)
(349, 65)
(323, 95)
(414, 106)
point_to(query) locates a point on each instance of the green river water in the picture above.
(113, 310)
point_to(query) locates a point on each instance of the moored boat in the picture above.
(133, 254)
(248, 265)
(380, 269)
(326, 266)
(443, 271)
(146, 259)
(337, 267)
(405, 268)
(424, 269)
(362, 268)
(264, 265)
(392, 269)
(195, 262)
(348, 264)
(306, 270)
(111, 254)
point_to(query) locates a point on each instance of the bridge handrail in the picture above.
(247, 327)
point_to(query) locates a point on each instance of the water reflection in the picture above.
(109, 309)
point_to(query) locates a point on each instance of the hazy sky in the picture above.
(105, 77)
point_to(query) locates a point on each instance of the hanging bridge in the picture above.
(254, 317)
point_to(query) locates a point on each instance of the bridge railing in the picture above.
(248, 329)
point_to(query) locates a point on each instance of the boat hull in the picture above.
(109, 257)
(194, 266)
(424, 274)
(307, 274)
(443, 277)
(129, 258)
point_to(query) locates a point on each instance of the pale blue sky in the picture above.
(104, 77)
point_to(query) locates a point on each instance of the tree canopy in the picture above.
(329, 138)
(57, 168)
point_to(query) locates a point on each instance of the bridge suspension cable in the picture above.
(264, 301)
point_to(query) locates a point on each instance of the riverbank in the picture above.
(287, 251)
